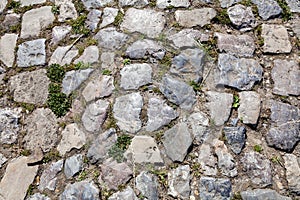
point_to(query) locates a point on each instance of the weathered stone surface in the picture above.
(59, 33)
(10, 20)
(2, 159)
(73, 165)
(228, 3)
(2, 5)
(96, 3)
(146, 21)
(35, 20)
(134, 76)
(240, 73)
(219, 114)
(188, 38)
(172, 3)
(242, 17)
(292, 166)
(236, 138)
(295, 25)
(145, 48)
(30, 87)
(38, 196)
(111, 39)
(267, 8)
(276, 39)
(199, 123)
(67, 11)
(249, 108)
(48, 178)
(147, 184)
(127, 111)
(31, 53)
(207, 160)
(127, 194)
(94, 115)
(9, 125)
(178, 92)
(72, 137)
(7, 49)
(31, 2)
(179, 182)
(109, 15)
(81, 190)
(134, 3)
(63, 55)
(294, 5)
(195, 17)
(177, 141)
(17, 178)
(90, 55)
(93, 18)
(286, 77)
(262, 194)
(214, 188)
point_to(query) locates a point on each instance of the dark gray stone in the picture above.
(31, 53)
(179, 182)
(267, 8)
(83, 190)
(242, 17)
(111, 39)
(214, 188)
(73, 165)
(262, 194)
(147, 184)
(145, 48)
(9, 125)
(235, 137)
(48, 178)
(127, 194)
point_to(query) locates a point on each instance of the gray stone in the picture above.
(199, 123)
(30, 87)
(49, 176)
(93, 18)
(242, 17)
(134, 3)
(215, 188)
(295, 25)
(41, 128)
(179, 182)
(147, 184)
(17, 178)
(195, 17)
(9, 125)
(10, 20)
(73, 165)
(2, 159)
(33, 21)
(177, 141)
(67, 11)
(2, 5)
(219, 114)
(286, 77)
(267, 8)
(146, 21)
(228, 3)
(178, 92)
(31, 53)
(145, 48)
(31, 2)
(38, 196)
(249, 108)
(99, 149)
(111, 39)
(207, 160)
(236, 138)
(94, 115)
(127, 111)
(83, 190)
(108, 61)
(240, 73)
(7, 49)
(109, 15)
(89, 56)
(134, 76)
(127, 194)
(63, 55)
(172, 3)
(294, 5)
(257, 168)
(59, 33)
(292, 166)
(262, 194)
(188, 38)
(276, 39)
(96, 3)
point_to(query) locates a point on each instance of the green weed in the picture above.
(117, 150)
(78, 26)
(118, 19)
(236, 101)
(56, 73)
(222, 17)
(106, 72)
(258, 148)
(286, 12)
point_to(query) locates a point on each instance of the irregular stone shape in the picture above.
(228, 3)
(99, 149)
(276, 39)
(127, 111)
(9, 125)
(93, 18)
(67, 11)
(178, 92)
(111, 39)
(292, 166)
(2, 5)
(147, 184)
(63, 55)
(242, 17)
(145, 48)
(127, 194)
(294, 5)
(240, 73)
(257, 168)
(109, 15)
(179, 182)
(215, 188)
(295, 24)
(48, 178)
(33, 21)
(207, 160)
(81, 190)
(146, 21)
(41, 128)
(172, 3)
(219, 114)
(195, 17)
(114, 174)
(249, 108)
(188, 38)
(30, 87)
(38, 196)
(144, 150)
(72, 137)
(286, 77)
(2, 159)
(90, 55)
(262, 194)
(267, 8)
(10, 20)
(73, 165)
(31, 53)
(199, 123)
(96, 3)
(17, 178)
(94, 115)
(7, 49)
(159, 114)
(31, 2)
(100, 87)
(177, 141)
(238, 45)
(134, 76)
(59, 33)
(236, 138)
(284, 133)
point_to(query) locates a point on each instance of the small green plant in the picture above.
(277, 160)
(27, 106)
(25, 152)
(286, 12)
(15, 28)
(126, 61)
(152, 3)
(14, 5)
(222, 17)
(81, 65)
(196, 86)
(162, 176)
(79, 6)
(106, 72)
(78, 26)
(118, 19)
(260, 39)
(195, 168)
(56, 73)
(236, 101)
(117, 150)
(30, 190)
(257, 148)
(246, 3)
(58, 102)
(55, 10)
(82, 175)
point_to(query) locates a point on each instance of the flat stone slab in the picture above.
(67, 11)
(89, 56)
(31, 53)
(127, 194)
(7, 48)
(199, 123)
(59, 33)
(215, 188)
(292, 166)
(38, 196)
(147, 184)
(187, 38)
(250, 105)
(49, 176)
(262, 194)
(195, 17)
(63, 55)
(73, 165)
(110, 38)
(294, 5)
(236, 138)
(9, 123)
(145, 48)
(242, 17)
(162, 4)
(93, 19)
(267, 9)
(179, 182)
(77, 190)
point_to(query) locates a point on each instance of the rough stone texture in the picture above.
(127, 194)
(63, 55)
(207, 160)
(292, 166)
(199, 123)
(228, 3)
(2, 159)
(31, 2)
(294, 5)
(177, 141)
(38, 196)
(127, 111)
(195, 17)
(179, 182)
(59, 33)
(145, 48)
(11, 19)
(172, 3)
(2, 5)
(33, 21)
(7, 49)
(134, 3)
(178, 92)
(31, 53)
(9, 125)
(147, 21)
(187, 38)
(267, 8)
(90, 55)
(96, 3)
(219, 114)
(249, 108)
(93, 18)
(73, 165)
(147, 184)
(83, 190)
(240, 73)
(214, 188)
(41, 128)
(236, 138)
(242, 17)
(30, 87)
(17, 178)
(262, 194)
(286, 77)
(276, 39)
(109, 15)
(295, 25)
(48, 178)
(94, 115)
(67, 11)
(134, 76)
(111, 39)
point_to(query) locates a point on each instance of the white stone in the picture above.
(195, 17)
(172, 3)
(59, 33)
(2, 5)
(108, 16)
(31, 2)
(90, 55)
(63, 55)
(7, 49)
(67, 11)
(249, 109)
(32, 53)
